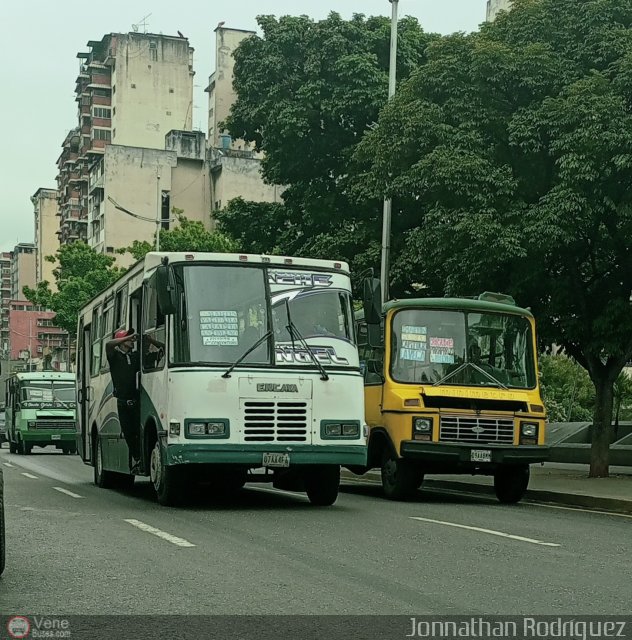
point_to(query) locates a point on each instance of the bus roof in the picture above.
(45, 375)
(457, 304)
(153, 259)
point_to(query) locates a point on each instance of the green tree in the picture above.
(568, 393)
(80, 275)
(306, 92)
(508, 154)
(189, 235)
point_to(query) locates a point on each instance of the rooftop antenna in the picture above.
(141, 23)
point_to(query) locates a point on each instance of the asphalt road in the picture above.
(76, 549)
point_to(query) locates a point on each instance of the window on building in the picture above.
(133, 85)
(101, 112)
(102, 134)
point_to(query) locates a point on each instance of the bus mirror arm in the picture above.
(372, 301)
(166, 289)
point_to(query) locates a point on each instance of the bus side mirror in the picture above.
(166, 289)
(372, 301)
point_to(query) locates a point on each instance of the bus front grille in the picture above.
(275, 421)
(457, 428)
(54, 424)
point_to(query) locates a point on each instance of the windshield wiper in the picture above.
(489, 376)
(267, 335)
(293, 331)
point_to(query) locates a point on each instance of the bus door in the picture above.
(83, 385)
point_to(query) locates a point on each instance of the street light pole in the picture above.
(159, 214)
(386, 215)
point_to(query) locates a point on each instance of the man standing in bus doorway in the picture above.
(124, 366)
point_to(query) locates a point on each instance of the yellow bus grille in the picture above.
(459, 428)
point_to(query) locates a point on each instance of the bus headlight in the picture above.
(216, 428)
(333, 429)
(197, 428)
(529, 432)
(422, 425)
(529, 429)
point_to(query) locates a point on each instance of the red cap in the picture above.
(123, 333)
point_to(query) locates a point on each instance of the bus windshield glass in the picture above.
(48, 391)
(227, 309)
(462, 348)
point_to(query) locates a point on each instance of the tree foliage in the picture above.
(80, 275)
(306, 93)
(568, 393)
(508, 154)
(189, 235)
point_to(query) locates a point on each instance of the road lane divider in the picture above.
(29, 475)
(68, 493)
(500, 534)
(8, 464)
(179, 542)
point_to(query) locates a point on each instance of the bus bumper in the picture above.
(252, 455)
(467, 455)
(45, 437)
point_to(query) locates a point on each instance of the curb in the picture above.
(532, 495)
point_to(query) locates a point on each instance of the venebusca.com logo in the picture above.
(19, 627)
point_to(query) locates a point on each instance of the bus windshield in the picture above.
(462, 348)
(229, 308)
(48, 391)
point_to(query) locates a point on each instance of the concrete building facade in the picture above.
(5, 302)
(235, 166)
(23, 269)
(149, 183)
(45, 211)
(132, 89)
(494, 7)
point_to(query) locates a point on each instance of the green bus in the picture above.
(41, 410)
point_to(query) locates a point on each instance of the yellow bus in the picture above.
(451, 387)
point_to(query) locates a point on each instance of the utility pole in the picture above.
(386, 216)
(159, 215)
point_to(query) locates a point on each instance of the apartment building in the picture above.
(22, 269)
(5, 302)
(45, 212)
(34, 336)
(235, 166)
(132, 89)
(494, 7)
(149, 183)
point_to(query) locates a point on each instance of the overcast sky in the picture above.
(40, 41)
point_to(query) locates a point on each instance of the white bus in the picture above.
(259, 378)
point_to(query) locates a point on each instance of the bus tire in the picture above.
(24, 449)
(13, 448)
(166, 480)
(322, 484)
(102, 478)
(400, 478)
(511, 482)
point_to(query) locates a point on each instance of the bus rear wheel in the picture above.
(102, 478)
(322, 484)
(24, 448)
(166, 480)
(510, 483)
(400, 478)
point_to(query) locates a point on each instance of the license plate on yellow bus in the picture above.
(480, 455)
(276, 460)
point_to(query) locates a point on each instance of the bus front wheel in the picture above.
(322, 484)
(400, 478)
(102, 477)
(166, 480)
(510, 483)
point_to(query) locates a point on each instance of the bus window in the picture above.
(96, 343)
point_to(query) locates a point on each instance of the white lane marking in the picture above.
(279, 492)
(492, 532)
(68, 493)
(30, 475)
(586, 510)
(8, 464)
(180, 542)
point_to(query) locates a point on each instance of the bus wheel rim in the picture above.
(155, 466)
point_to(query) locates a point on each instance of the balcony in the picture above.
(102, 101)
(100, 80)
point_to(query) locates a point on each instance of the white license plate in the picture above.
(276, 459)
(56, 436)
(480, 455)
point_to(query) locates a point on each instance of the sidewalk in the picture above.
(566, 484)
